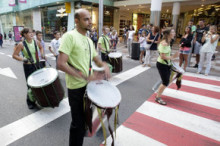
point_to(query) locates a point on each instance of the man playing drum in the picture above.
(76, 54)
(104, 44)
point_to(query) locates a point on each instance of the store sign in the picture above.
(17, 35)
(11, 2)
(68, 7)
(22, 1)
(61, 11)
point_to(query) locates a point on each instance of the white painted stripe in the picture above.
(200, 85)
(200, 125)
(118, 79)
(9, 56)
(2, 53)
(215, 78)
(129, 137)
(28, 124)
(194, 98)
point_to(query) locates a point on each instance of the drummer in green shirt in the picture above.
(104, 44)
(76, 53)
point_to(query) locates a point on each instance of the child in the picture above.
(142, 41)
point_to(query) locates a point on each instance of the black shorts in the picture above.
(164, 71)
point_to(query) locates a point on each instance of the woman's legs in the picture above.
(160, 90)
(185, 56)
(141, 56)
(181, 59)
(209, 62)
(201, 62)
(147, 56)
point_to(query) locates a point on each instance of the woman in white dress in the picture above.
(210, 41)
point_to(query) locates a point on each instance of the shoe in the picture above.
(149, 65)
(195, 66)
(198, 72)
(144, 65)
(206, 74)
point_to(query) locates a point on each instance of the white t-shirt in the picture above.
(130, 34)
(142, 41)
(208, 46)
(55, 44)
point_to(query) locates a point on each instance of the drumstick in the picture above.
(47, 62)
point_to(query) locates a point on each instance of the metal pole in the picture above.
(100, 16)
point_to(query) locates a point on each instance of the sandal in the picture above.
(160, 101)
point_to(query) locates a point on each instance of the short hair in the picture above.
(56, 32)
(77, 13)
(25, 31)
(33, 30)
(202, 20)
(151, 25)
(38, 32)
(104, 27)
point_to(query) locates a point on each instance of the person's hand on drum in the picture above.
(95, 76)
(107, 71)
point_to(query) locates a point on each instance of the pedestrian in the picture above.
(130, 38)
(193, 27)
(211, 41)
(143, 28)
(30, 60)
(164, 62)
(1, 39)
(185, 45)
(76, 53)
(94, 37)
(5, 36)
(125, 35)
(114, 39)
(55, 44)
(41, 41)
(104, 44)
(153, 39)
(143, 41)
(198, 40)
(10, 35)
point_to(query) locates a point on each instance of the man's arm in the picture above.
(99, 63)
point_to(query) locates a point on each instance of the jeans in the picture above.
(77, 126)
(149, 55)
(208, 56)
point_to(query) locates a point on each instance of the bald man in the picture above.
(76, 53)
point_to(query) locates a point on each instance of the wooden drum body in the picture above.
(115, 59)
(46, 87)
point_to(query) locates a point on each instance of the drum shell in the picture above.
(49, 95)
(43, 63)
(135, 52)
(116, 64)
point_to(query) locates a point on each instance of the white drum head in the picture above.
(115, 55)
(42, 77)
(96, 68)
(177, 68)
(103, 94)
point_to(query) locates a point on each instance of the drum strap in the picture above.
(90, 59)
(105, 39)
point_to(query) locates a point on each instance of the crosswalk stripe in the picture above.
(164, 132)
(201, 80)
(2, 53)
(129, 137)
(215, 78)
(197, 90)
(199, 125)
(190, 107)
(201, 85)
(195, 98)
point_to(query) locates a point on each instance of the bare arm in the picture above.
(100, 47)
(214, 39)
(99, 63)
(41, 49)
(157, 40)
(16, 52)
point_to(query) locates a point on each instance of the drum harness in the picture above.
(88, 108)
(32, 96)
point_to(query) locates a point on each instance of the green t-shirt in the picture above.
(31, 47)
(105, 44)
(76, 46)
(166, 50)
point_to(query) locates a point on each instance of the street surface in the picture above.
(191, 117)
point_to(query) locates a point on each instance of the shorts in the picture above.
(164, 71)
(197, 47)
(184, 52)
(142, 49)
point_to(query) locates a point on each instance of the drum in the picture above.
(176, 68)
(46, 87)
(115, 59)
(96, 68)
(105, 97)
